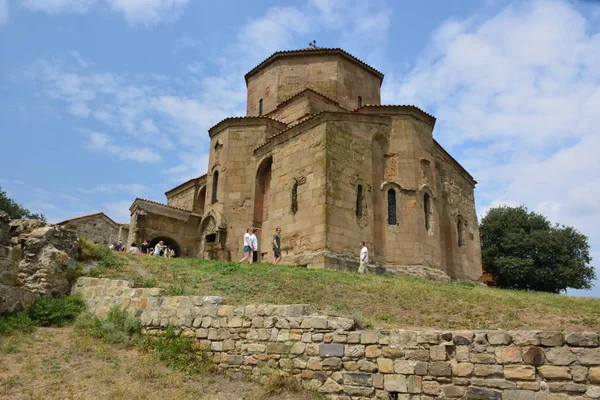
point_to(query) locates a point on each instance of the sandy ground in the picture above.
(56, 363)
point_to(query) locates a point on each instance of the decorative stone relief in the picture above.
(391, 166)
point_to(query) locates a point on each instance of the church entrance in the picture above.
(172, 244)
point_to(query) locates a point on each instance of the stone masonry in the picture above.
(318, 155)
(36, 260)
(328, 354)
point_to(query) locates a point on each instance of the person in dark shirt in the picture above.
(277, 246)
(145, 247)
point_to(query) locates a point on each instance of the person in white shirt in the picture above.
(254, 242)
(247, 247)
(364, 258)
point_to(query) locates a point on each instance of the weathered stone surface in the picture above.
(519, 372)
(526, 338)
(560, 356)
(594, 374)
(499, 338)
(483, 394)
(582, 339)
(494, 383)
(331, 386)
(488, 369)
(589, 357)
(552, 339)
(508, 355)
(440, 368)
(462, 369)
(331, 350)
(431, 388)
(385, 365)
(483, 358)
(395, 383)
(369, 337)
(554, 372)
(567, 387)
(358, 379)
(452, 391)
(534, 356)
(518, 395)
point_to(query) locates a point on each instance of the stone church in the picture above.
(318, 155)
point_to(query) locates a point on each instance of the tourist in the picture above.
(247, 247)
(277, 246)
(134, 249)
(159, 248)
(116, 246)
(364, 258)
(254, 241)
(145, 247)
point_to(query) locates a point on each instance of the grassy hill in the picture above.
(376, 301)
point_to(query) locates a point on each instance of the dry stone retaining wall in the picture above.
(330, 356)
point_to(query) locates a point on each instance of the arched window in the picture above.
(391, 207)
(215, 186)
(427, 210)
(359, 102)
(260, 107)
(295, 198)
(459, 229)
(359, 202)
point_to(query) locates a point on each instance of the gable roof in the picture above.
(185, 183)
(312, 51)
(161, 204)
(98, 214)
(303, 91)
(430, 118)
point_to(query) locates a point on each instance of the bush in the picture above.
(56, 312)
(105, 257)
(19, 322)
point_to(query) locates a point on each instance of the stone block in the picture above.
(594, 374)
(332, 363)
(589, 357)
(518, 395)
(499, 338)
(593, 392)
(331, 386)
(354, 351)
(372, 351)
(508, 355)
(414, 384)
(331, 350)
(298, 348)
(369, 337)
(534, 356)
(482, 394)
(462, 369)
(552, 339)
(385, 365)
(431, 388)
(582, 339)
(406, 367)
(235, 360)
(314, 363)
(488, 370)
(567, 387)
(554, 372)
(358, 378)
(452, 391)
(560, 356)
(362, 392)
(440, 368)
(494, 383)
(526, 338)
(367, 366)
(519, 372)
(438, 353)
(276, 348)
(395, 383)
(483, 358)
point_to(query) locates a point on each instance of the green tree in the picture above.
(523, 250)
(15, 210)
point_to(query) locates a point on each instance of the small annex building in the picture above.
(318, 155)
(98, 228)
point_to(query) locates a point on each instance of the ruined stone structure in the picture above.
(98, 228)
(36, 260)
(319, 156)
(330, 355)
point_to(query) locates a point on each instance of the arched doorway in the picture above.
(262, 193)
(172, 244)
(201, 200)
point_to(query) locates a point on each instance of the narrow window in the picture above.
(359, 102)
(391, 207)
(260, 107)
(359, 202)
(295, 198)
(215, 186)
(459, 228)
(427, 209)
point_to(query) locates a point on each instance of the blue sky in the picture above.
(102, 101)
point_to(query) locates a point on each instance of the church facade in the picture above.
(318, 155)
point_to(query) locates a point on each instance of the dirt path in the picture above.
(55, 363)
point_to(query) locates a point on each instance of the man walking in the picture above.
(364, 257)
(277, 246)
(254, 241)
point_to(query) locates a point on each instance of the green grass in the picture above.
(380, 301)
(44, 312)
(120, 328)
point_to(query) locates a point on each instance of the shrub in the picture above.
(56, 312)
(19, 322)
(105, 257)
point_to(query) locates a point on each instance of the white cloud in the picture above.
(134, 189)
(4, 12)
(517, 99)
(149, 12)
(60, 6)
(104, 143)
(136, 12)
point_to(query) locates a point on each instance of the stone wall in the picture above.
(97, 228)
(329, 355)
(36, 260)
